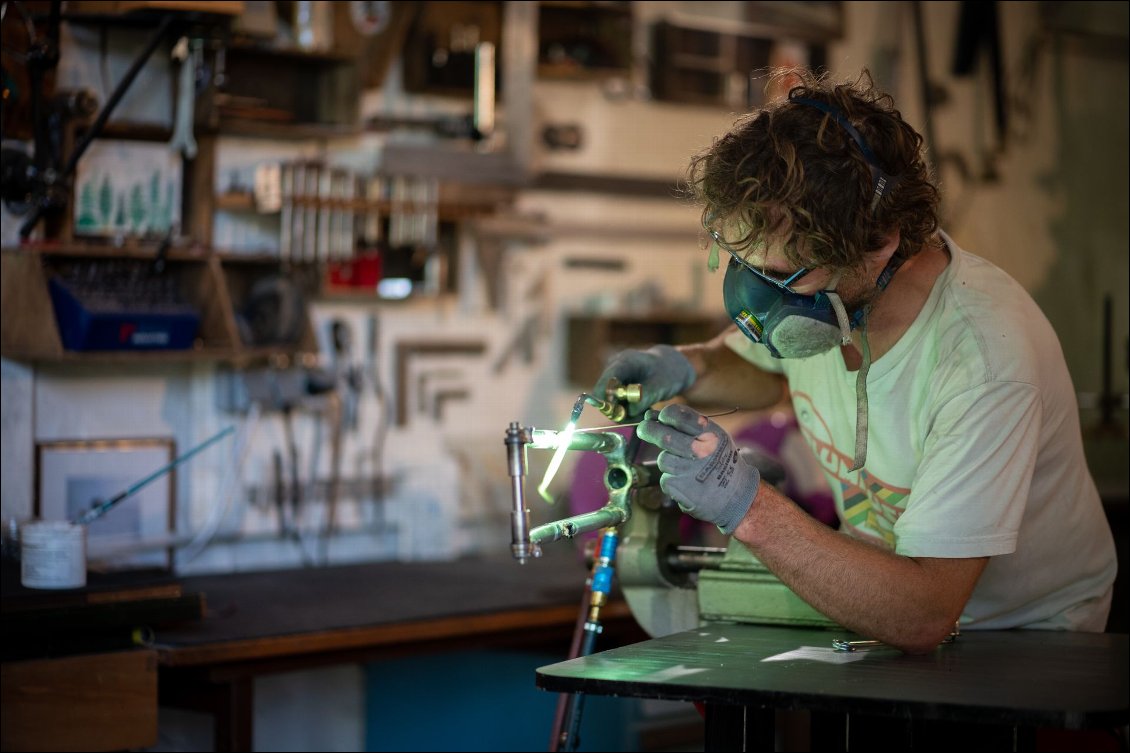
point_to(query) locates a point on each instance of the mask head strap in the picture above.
(881, 181)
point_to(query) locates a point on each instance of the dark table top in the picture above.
(272, 613)
(1068, 680)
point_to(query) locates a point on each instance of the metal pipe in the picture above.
(547, 439)
(608, 516)
(521, 545)
(690, 559)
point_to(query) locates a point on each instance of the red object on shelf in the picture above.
(362, 271)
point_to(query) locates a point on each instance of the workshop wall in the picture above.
(1040, 200)
(1045, 200)
(1043, 197)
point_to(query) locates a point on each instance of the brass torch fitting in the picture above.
(625, 393)
(615, 397)
(615, 411)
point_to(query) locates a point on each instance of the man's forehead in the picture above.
(767, 254)
(770, 260)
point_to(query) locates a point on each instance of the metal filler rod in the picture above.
(100, 508)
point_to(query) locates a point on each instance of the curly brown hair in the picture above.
(791, 171)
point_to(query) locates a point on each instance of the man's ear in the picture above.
(877, 259)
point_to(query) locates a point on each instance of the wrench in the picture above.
(183, 139)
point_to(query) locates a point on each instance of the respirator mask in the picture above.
(790, 324)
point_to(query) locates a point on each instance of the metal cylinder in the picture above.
(615, 391)
(614, 411)
(520, 545)
(609, 515)
(581, 440)
(690, 559)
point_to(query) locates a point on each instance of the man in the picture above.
(927, 382)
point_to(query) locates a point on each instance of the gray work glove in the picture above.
(661, 371)
(702, 468)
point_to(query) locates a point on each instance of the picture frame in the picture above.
(71, 476)
(128, 189)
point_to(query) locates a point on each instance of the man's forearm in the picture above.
(905, 602)
(725, 379)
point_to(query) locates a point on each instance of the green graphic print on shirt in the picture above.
(867, 505)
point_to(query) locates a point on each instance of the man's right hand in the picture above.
(661, 371)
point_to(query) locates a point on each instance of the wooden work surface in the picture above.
(1059, 679)
(263, 615)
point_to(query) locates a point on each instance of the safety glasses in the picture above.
(736, 256)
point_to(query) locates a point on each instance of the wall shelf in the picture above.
(90, 249)
(252, 128)
(584, 41)
(715, 67)
(284, 93)
(446, 210)
(217, 287)
(324, 57)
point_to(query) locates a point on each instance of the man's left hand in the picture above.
(702, 468)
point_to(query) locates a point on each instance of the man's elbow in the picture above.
(940, 603)
(925, 637)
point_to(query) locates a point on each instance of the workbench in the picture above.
(996, 685)
(210, 636)
(278, 621)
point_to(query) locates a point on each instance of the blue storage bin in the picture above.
(90, 323)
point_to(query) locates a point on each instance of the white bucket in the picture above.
(52, 554)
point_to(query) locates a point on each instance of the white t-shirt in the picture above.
(974, 449)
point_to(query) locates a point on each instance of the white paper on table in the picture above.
(817, 653)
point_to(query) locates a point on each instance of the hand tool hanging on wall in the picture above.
(295, 489)
(279, 492)
(375, 191)
(347, 374)
(333, 490)
(286, 209)
(297, 241)
(929, 93)
(426, 379)
(1109, 400)
(326, 214)
(406, 350)
(381, 420)
(183, 141)
(310, 193)
(347, 234)
(978, 30)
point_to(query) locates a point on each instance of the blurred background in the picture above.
(386, 230)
